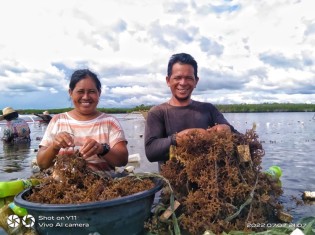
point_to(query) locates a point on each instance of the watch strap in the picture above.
(106, 149)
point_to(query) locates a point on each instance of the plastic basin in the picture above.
(125, 215)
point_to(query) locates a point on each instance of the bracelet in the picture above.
(173, 140)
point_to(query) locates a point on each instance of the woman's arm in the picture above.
(117, 155)
(45, 156)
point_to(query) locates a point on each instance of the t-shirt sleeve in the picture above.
(219, 118)
(49, 133)
(156, 144)
(116, 133)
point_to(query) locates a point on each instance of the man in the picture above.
(168, 123)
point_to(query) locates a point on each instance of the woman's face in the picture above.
(85, 96)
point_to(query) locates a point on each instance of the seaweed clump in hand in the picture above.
(220, 187)
(72, 182)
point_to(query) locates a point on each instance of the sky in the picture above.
(248, 51)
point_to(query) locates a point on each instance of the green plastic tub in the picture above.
(121, 216)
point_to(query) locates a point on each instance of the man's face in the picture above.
(182, 81)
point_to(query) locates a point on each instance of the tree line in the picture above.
(224, 108)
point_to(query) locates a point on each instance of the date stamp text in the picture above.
(275, 225)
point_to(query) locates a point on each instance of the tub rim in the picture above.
(20, 201)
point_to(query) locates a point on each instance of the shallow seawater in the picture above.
(288, 140)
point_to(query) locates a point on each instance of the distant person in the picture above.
(99, 136)
(168, 123)
(16, 129)
(45, 116)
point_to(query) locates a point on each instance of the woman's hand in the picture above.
(91, 147)
(63, 140)
(47, 154)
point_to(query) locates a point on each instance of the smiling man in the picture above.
(168, 123)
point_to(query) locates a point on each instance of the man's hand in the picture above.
(182, 136)
(220, 128)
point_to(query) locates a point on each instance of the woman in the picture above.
(99, 137)
(16, 129)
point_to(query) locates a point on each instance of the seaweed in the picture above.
(70, 181)
(217, 189)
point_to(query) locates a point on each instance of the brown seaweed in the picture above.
(218, 191)
(72, 182)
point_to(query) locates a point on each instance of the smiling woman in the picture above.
(99, 136)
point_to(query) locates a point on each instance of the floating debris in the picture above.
(308, 195)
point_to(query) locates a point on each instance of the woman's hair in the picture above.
(11, 116)
(80, 74)
(182, 58)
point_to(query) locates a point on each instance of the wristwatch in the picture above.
(106, 149)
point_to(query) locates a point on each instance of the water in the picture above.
(288, 140)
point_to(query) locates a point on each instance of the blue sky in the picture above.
(247, 51)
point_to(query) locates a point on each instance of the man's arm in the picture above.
(220, 122)
(156, 143)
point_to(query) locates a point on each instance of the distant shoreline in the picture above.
(224, 108)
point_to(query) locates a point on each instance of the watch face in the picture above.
(106, 149)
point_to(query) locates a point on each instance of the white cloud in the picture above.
(247, 51)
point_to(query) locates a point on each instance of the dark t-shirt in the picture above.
(164, 120)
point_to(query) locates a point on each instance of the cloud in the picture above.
(211, 47)
(247, 52)
(123, 70)
(11, 67)
(175, 7)
(310, 30)
(225, 7)
(169, 35)
(280, 61)
(216, 80)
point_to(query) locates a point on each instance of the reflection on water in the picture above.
(15, 159)
(13, 155)
(288, 140)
